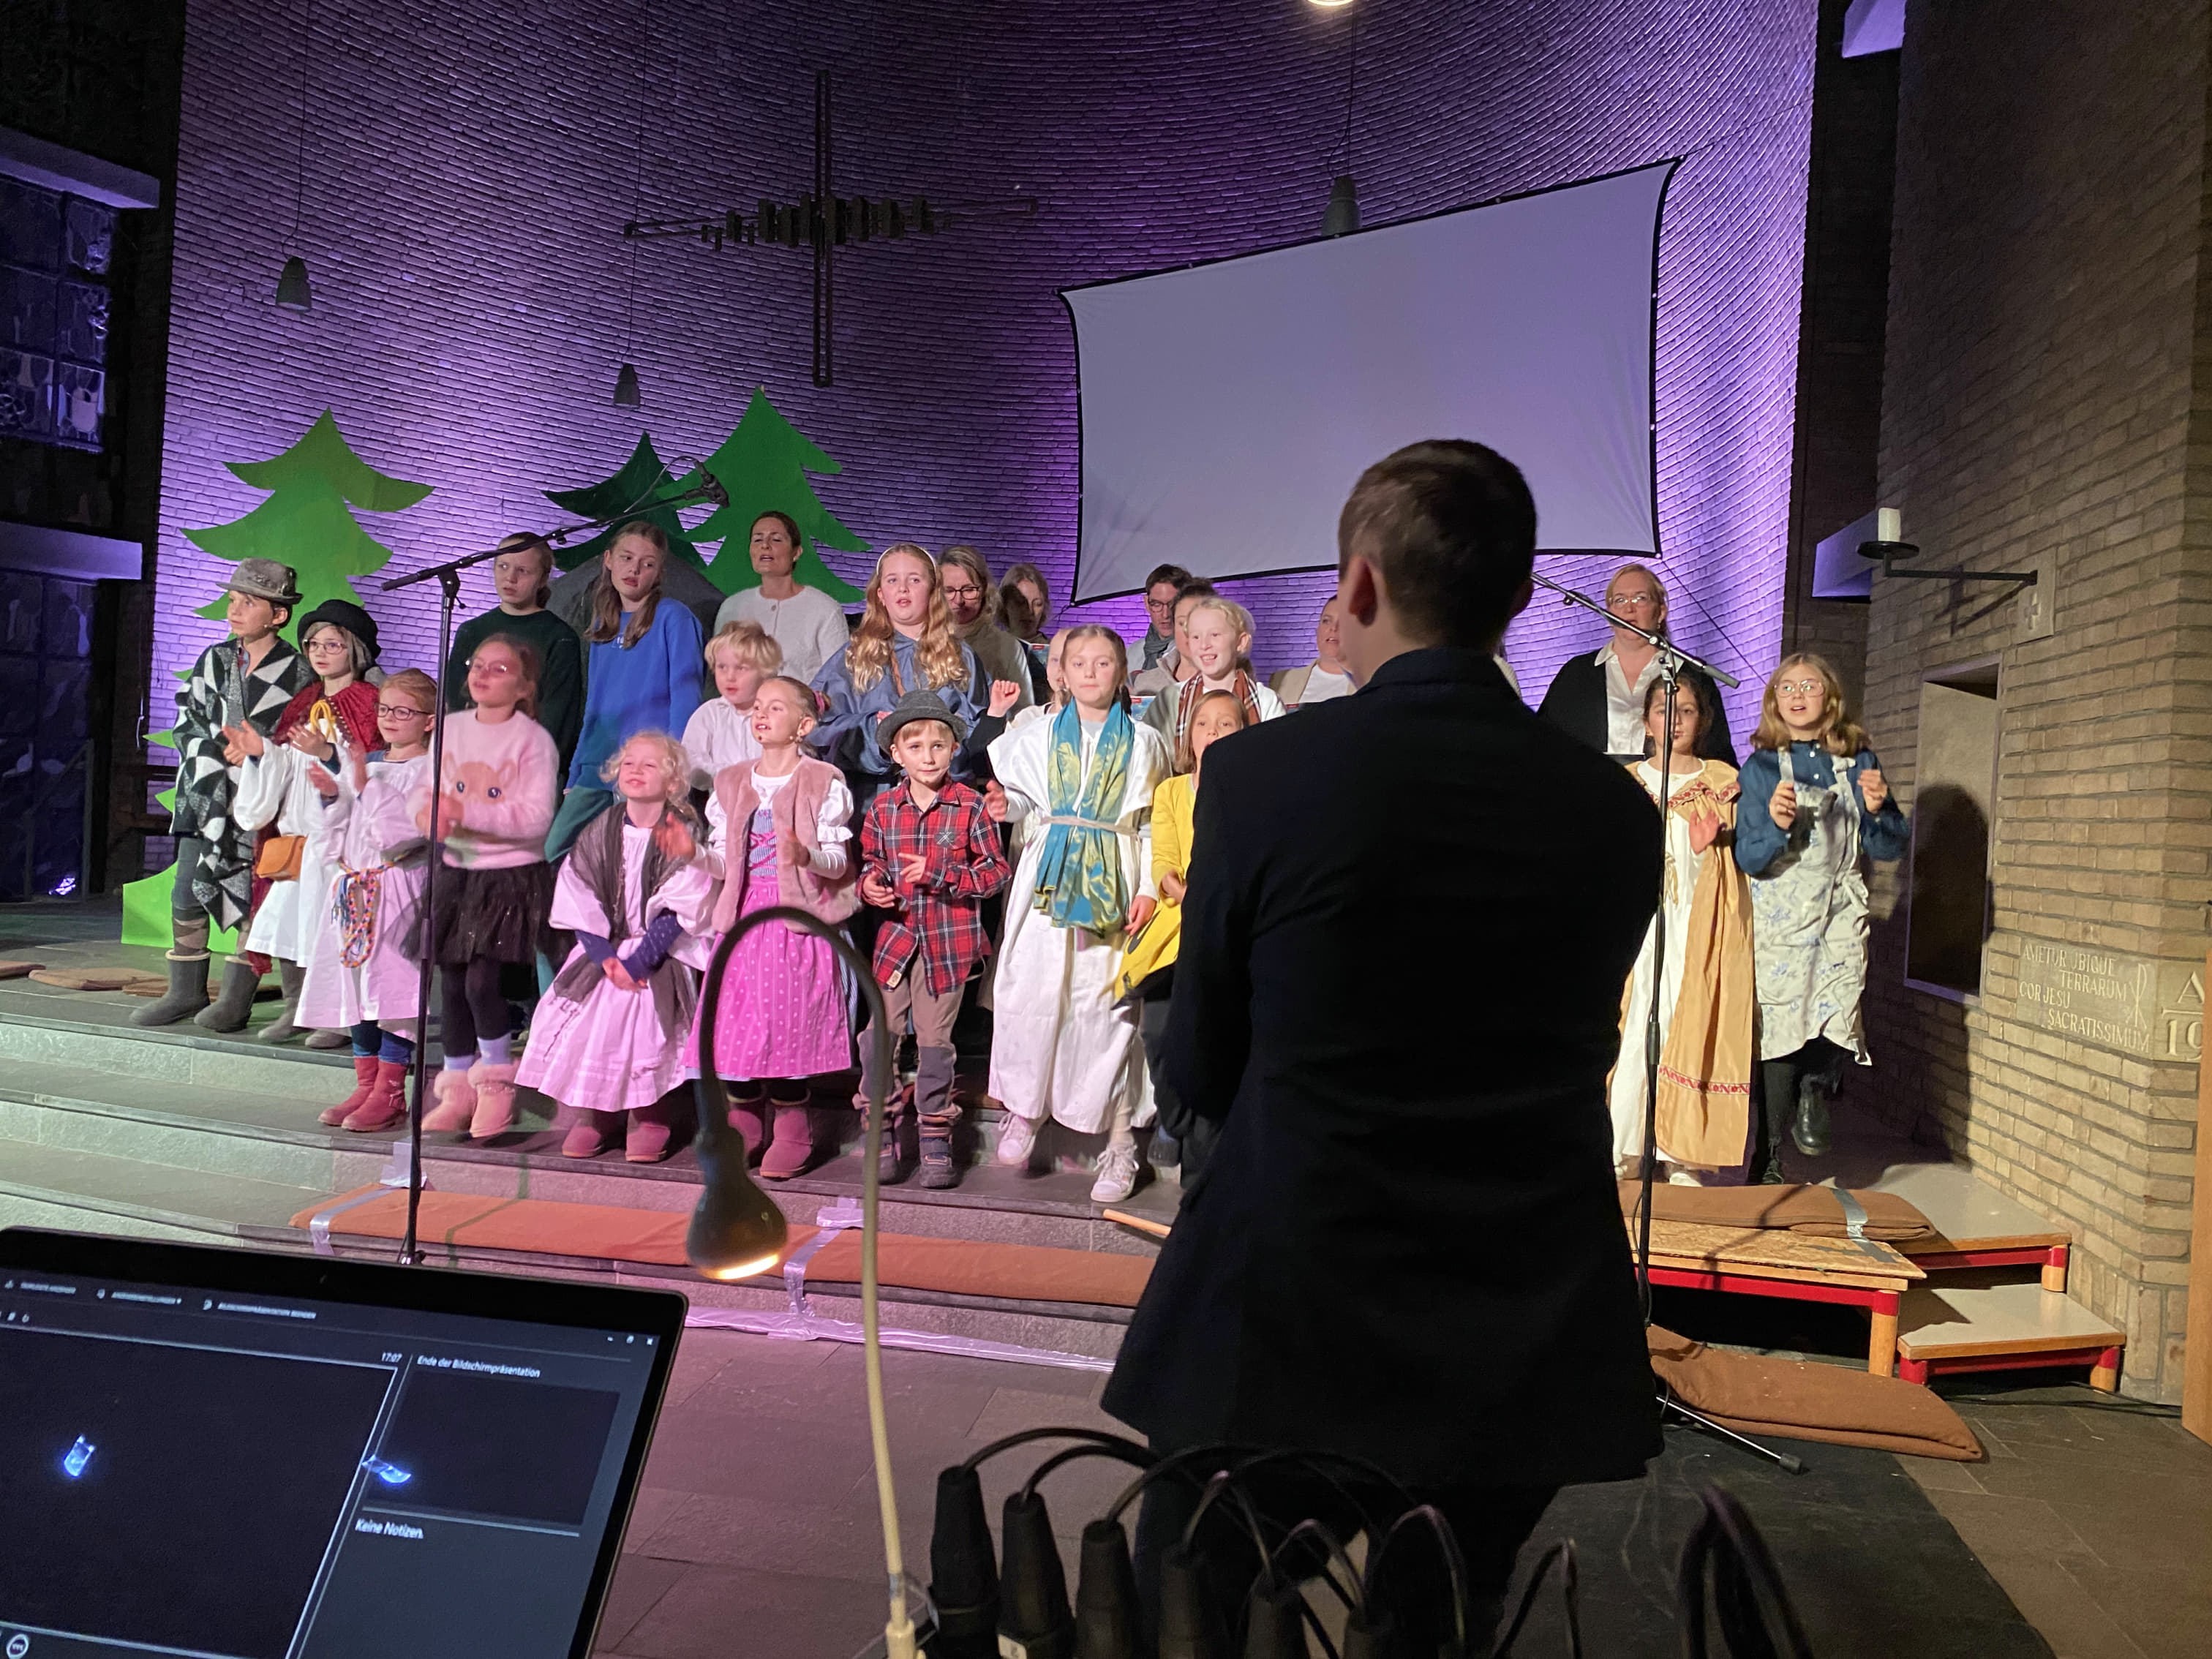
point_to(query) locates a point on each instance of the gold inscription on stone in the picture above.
(2153, 1010)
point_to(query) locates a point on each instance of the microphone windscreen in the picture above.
(963, 1573)
(1109, 1624)
(1034, 1622)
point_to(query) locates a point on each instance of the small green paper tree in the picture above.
(308, 523)
(764, 465)
(618, 497)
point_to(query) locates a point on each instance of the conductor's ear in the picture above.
(1359, 590)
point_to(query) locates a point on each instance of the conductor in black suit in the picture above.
(1409, 917)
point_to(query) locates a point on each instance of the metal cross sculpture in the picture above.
(821, 221)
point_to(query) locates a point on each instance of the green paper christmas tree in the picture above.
(619, 497)
(764, 465)
(307, 523)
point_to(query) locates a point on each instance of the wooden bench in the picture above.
(1791, 1266)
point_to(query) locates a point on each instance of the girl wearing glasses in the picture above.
(359, 979)
(1815, 803)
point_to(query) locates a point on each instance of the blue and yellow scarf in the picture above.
(1079, 880)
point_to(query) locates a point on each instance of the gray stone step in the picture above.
(101, 1193)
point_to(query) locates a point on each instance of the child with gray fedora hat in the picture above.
(249, 677)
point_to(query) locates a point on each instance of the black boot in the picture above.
(291, 976)
(231, 1009)
(186, 995)
(897, 1103)
(1810, 1129)
(935, 1114)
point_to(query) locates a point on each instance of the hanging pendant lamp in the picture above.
(293, 291)
(1342, 216)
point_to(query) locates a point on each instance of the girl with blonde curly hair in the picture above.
(905, 642)
(608, 1042)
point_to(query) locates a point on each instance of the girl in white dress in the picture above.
(360, 979)
(1705, 1002)
(1077, 789)
(608, 1040)
(1814, 805)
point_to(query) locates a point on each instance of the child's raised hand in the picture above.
(788, 852)
(1782, 808)
(449, 817)
(240, 742)
(620, 977)
(1705, 828)
(1874, 789)
(325, 784)
(878, 891)
(913, 867)
(994, 801)
(360, 770)
(675, 839)
(1140, 912)
(1005, 694)
(1172, 888)
(311, 743)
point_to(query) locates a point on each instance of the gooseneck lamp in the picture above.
(737, 1232)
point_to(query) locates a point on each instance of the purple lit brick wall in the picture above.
(468, 166)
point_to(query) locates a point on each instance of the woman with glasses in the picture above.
(1598, 698)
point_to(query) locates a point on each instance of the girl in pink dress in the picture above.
(778, 833)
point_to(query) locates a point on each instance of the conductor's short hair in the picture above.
(1452, 527)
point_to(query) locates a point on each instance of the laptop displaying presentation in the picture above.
(230, 1455)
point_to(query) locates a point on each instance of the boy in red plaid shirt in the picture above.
(931, 856)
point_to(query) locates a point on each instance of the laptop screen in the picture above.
(213, 1452)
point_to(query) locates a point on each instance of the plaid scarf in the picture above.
(1079, 879)
(1193, 689)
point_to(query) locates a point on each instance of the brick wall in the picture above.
(468, 166)
(2046, 392)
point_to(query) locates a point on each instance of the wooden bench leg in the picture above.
(2054, 1269)
(1881, 1333)
(2104, 1375)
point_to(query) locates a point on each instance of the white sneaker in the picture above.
(1117, 1173)
(1017, 1139)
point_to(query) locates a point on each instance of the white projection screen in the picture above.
(1227, 408)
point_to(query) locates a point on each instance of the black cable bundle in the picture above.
(1015, 1605)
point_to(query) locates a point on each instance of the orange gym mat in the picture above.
(1024, 1273)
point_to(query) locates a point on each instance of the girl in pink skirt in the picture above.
(778, 834)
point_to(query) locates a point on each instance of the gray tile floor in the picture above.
(756, 1534)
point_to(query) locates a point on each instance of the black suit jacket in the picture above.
(1576, 704)
(1410, 914)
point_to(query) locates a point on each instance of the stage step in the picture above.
(1979, 1319)
(104, 1128)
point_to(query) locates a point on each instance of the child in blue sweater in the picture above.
(642, 672)
(1814, 804)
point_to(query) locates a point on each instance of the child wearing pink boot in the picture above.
(607, 1039)
(778, 833)
(496, 790)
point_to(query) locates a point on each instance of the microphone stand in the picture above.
(1672, 659)
(698, 490)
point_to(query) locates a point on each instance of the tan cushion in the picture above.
(1797, 1399)
(1797, 1209)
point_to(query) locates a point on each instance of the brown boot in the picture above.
(791, 1142)
(585, 1137)
(387, 1100)
(364, 1082)
(749, 1116)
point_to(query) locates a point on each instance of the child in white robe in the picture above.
(359, 977)
(1079, 790)
(609, 1038)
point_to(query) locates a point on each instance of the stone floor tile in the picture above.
(2167, 1613)
(2065, 1615)
(713, 1613)
(639, 1581)
(2008, 1526)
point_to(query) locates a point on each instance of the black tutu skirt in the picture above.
(498, 914)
